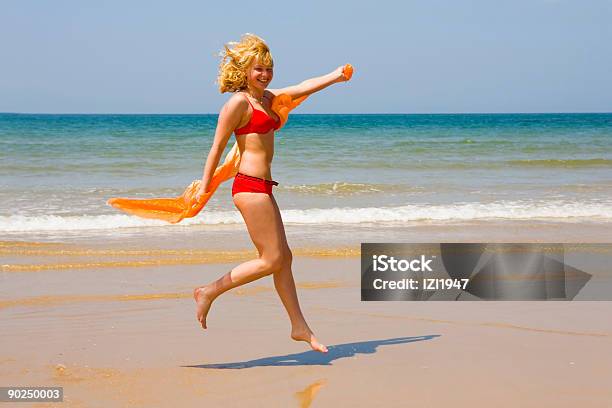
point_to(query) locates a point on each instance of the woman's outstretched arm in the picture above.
(229, 119)
(312, 85)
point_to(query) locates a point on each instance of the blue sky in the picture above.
(410, 57)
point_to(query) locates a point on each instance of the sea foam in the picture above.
(465, 211)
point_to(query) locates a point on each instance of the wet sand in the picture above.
(116, 327)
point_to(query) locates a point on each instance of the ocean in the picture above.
(57, 171)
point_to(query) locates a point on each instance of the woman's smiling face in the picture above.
(259, 75)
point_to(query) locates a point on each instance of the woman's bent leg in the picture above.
(259, 214)
(285, 286)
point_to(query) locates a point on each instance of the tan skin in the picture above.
(260, 211)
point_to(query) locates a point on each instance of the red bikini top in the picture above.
(260, 122)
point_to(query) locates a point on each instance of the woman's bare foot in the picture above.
(203, 301)
(307, 336)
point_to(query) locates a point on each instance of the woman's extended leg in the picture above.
(285, 286)
(263, 221)
(260, 218)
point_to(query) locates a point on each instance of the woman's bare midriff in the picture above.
(257, 151)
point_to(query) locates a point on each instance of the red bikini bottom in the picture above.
(250, 184)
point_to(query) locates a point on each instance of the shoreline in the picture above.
(327, 236)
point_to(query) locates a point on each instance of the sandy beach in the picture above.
(115, 326)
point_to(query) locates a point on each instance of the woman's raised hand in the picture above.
(344, 72)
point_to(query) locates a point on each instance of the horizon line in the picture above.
(297, 114)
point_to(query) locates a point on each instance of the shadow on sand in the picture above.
(315, 358)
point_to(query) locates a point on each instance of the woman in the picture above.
(246, 70)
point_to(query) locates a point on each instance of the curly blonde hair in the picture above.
(236, 60)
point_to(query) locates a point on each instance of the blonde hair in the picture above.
(236, 60)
